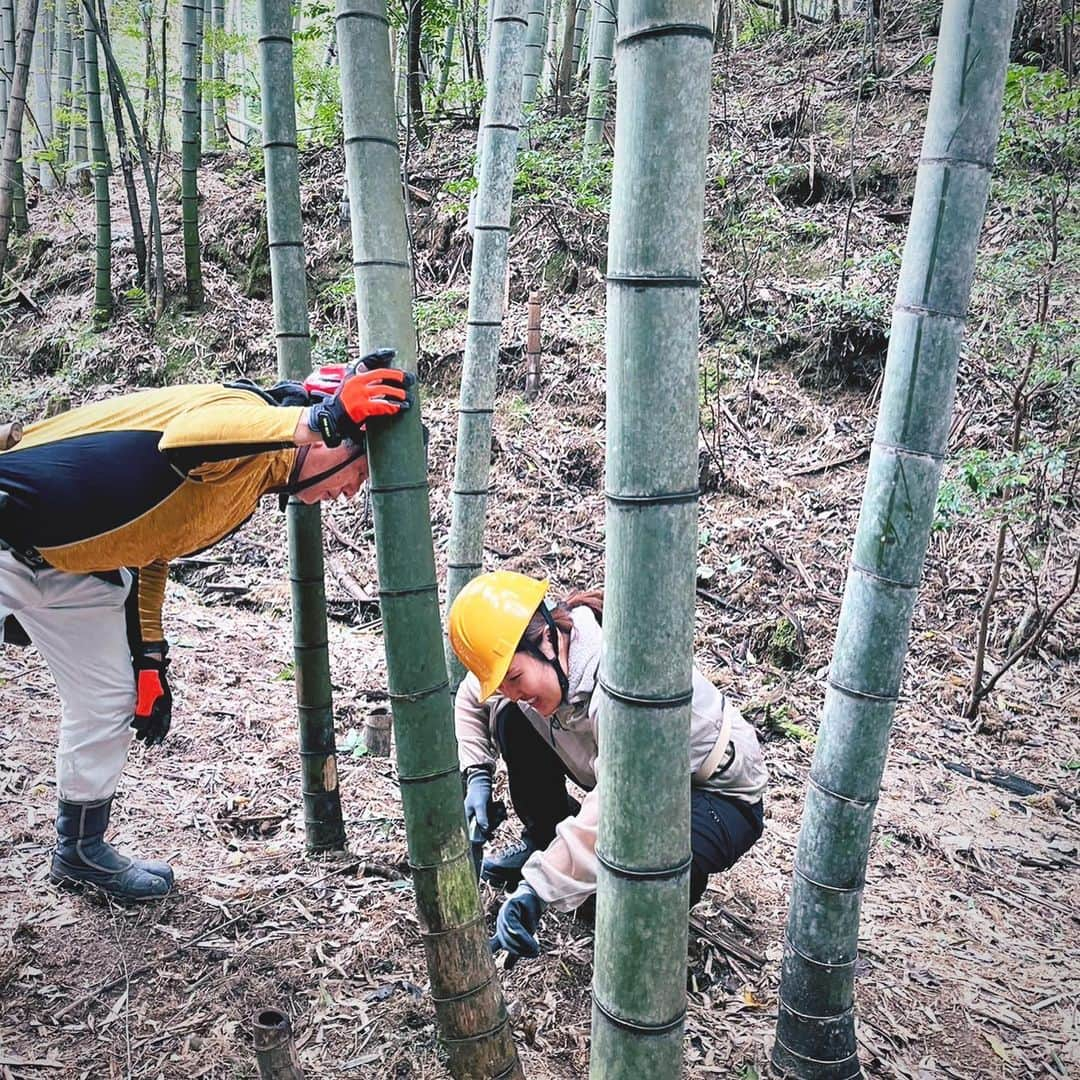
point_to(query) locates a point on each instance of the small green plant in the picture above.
(443, 311)
(286, 674)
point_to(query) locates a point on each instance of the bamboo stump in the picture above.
(377, 733)
(275, 1051)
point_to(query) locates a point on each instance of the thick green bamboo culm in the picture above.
(498, 139)
(10, 175)
(472, 1019)
(99, 155)
(646, 671)
(189, 75)
(535, 36)
(601, 53)
(815, 1032)
(323, 825)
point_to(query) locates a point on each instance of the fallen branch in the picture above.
(726, 943)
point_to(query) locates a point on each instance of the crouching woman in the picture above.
(530, 697)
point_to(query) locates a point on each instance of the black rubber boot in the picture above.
(82, 856)
(504, 867)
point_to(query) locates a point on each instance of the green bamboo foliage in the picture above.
(10, 174)
(468, 1001)
(63, 82)
(99, 154)
(206, 84)
(535, 37)
(498, 140)
(189, 75)
(654, 270)
(323, 825)
(815, 1034)
(601, 53)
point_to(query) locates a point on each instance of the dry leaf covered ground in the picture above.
(970, 952)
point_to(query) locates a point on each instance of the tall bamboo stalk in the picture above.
(78, 154)
(206, 94)
(189, 76)
(43, 113)
(601, 53)
(550, 69)
(323, 825)
(580, 12)
(815, 1033)
(447, 64)
(654, 271)
(99, 154)
(472, 1019)
(221, 139)
(9, 173)
(7, 16)
(534, 62)
(63, 82)
(498, 138)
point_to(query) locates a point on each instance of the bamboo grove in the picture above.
(649, 67)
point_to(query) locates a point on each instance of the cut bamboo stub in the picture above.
(377, 733)
(275, 1051)
(532, 349)
(10, 434)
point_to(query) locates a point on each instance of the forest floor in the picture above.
(970, 952)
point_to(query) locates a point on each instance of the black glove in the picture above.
(515, 927)
(153, 698)
(479, 805)
(372, 390)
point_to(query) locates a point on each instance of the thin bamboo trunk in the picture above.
(189, 76)
(323, 825)
(565, 72)
(10, 175)
(497, 138)
(815, 1033)
(472, 1019)
(551, 49)
(413, 74)
(63, 83)
(221, 139)
(581, 11)
(206, 82)
(101, 169)
(76, 176)
(446, 66)
(7, 15)
(654, 285)
(43, 114)
(604, 19)
(586, 42)
(123, 152)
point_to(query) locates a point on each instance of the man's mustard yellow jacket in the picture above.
(141, 479)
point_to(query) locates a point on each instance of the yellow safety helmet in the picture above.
(487, 620)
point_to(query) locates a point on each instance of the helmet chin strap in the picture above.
(295, 486)
(553, 637)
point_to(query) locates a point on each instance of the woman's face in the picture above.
(531, 681)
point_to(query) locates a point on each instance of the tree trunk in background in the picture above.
(189, 75)
(221, 137)
(654, 285)
(497, 149)
(534, 61)
(323, 826)
(99, 154)
(63, 84)
(604, 17)
(127, 169)
(414, 74)
(472, 1019)
(20, 69)
(565, 75)
(7, 16)
(815, 1033)
(78, 177)
(207, 45)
